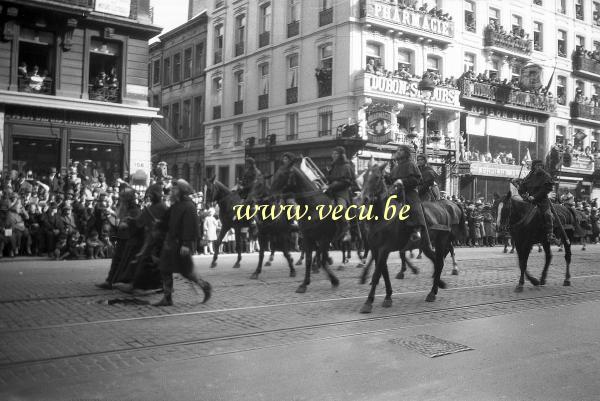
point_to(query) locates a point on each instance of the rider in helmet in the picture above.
(535, 189)
(251, 174)
(406, 174)
(428, 190)
(340, 176)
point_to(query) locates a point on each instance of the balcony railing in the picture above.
(42, 86)
(238, 107)
(291, 95)
(104, 94)
(291, 137)
(263, 101)
(293, 29)
(581, 163)
(239, 49)
(326, 16)
(505, 94)
(262, 141)
(584, 64)
(216, 112)
(507, 41)
(264, 39)
(325, 132)
(218, 56)
(579, 110)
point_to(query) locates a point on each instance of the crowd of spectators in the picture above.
(31, 79)
(374, 66)
(435, 11)
(514, 84)
(516, 37)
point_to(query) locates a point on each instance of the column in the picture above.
(139, 149)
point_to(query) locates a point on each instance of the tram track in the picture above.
(550, 299)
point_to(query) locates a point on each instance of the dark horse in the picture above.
(386, 236)
(526, 227)
(275, 232)
(316, 233)
(216, 191)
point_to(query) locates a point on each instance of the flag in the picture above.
(527, 158)
(551, 77)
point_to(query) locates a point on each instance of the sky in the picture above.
(169, 13)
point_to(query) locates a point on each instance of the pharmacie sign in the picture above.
(401, 87)
(424, 22)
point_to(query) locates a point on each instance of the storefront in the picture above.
(38, 140)
(482, 180)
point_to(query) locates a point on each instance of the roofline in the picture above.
(198, 18)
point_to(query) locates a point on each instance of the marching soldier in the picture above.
(428, 190)
(535, 189)
(340, 177)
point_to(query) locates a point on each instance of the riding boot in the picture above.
(204, 285)
(167, 299)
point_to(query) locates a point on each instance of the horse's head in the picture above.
(374, 188)
(214, 190)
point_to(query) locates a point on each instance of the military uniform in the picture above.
(251, 174)
(408, 171)
(340, 177)
(539, 184)
(428, 190)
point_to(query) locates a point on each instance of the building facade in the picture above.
(177, 88)
(73, 85)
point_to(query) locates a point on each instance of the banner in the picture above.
(115, 7)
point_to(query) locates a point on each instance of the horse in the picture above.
(386, 236)
(276, 232)
(316, 233)
(215, 191)
(526, 227)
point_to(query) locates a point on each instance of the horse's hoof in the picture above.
(455, 272)
(268, 263)
(301, 289)
(519, 288)
(430, 297)
(213, 265)
(236, 265)
(292, 273)
(366, 308)
(505, 250)
(387, 303)
(442, 284)
(335, 282)
(567, 283)
(512, 251)
(400, 276)
(299, 262)
(254, 276)
(542, 282)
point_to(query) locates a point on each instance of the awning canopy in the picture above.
(161, 139)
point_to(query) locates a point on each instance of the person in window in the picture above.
(371, 66)
(35, 80)
(22, 71)
(100, 80)
(113, 80)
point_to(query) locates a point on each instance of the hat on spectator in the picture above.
(52, 170)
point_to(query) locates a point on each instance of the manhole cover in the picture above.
(430, 346)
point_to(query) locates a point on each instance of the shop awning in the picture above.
(161, 139)
(501, 128)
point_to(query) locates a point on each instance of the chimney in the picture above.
(196, 6)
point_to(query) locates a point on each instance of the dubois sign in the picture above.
(401, 87)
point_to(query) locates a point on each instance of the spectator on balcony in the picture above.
(371, 66)
(100, 80)
(35, 80)
(113, 80)
(423, 8)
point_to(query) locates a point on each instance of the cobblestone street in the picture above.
(56, 327)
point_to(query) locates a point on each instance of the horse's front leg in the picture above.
(261, 257)
(368, 305)
(454, 264)
(324, 250)
(567, 244)
(307, 266)
(238, 247)
(400, 275)
(548, 254)
(387, 301)
(290, 261)
(217, 245)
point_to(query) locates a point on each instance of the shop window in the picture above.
(561, 90)
(156, 73)
(538, 30)
(199, 60)
(469, 63)
(105, 71)
(224, 175)
(106, 158)
(470, 21)
(504, 150)
(210, 171)
(405, 61)
(373, 61)
(36, 61)
(562, 43)
(35, 154)
(187, 63)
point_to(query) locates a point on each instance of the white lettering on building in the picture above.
(396, 86)
(413, 19)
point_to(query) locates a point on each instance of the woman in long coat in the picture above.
(176, 255)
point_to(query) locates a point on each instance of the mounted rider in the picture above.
(340, 176)
(428, 190)
(251, 174)
(535, 189)
(406, 176)
(287, 161)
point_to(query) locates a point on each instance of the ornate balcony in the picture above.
(104, 94)
(585, 112)
(505, 94)
(264, 39)
(263, 101)
(293, 29)
(507, 44)
(291, 95)
(580, 164)
(412, 22)
(326, 16)
(586, 67)
(238, 107)
(216, 112)
(41, 86)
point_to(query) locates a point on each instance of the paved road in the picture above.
(60, 340)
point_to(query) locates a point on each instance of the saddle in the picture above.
(440, 216)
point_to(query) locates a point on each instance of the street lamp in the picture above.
(426, 86)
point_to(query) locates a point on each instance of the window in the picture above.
(561, 90)
(562, 6)
(265, 18)
(494, 16)
(217, 90)
(433, 64)
(562, 43)
(240, 34)
(517, 23)
(219, 42)
(198, 116)
(325, 12)
(596, 14)
(199, 62)
(187, 118)
(580, 41)
(156, 101)
(470, 22)
(405, 60)
(167, 71)
(580, 89)
(36, 62)
(177, 68)
(495, 67)
(538, 30)
(264, 78)
(239, 87)
(293, 11)
(561, 132)
(175, 116)
(238, 130)
(515, 72)
(579, 9)
(224, 174)
(469, 64)
(105, 70)
(187, 63)
(216, 138)
(292, 126)
(324, 72)
(292, 71)
(263, 128)
(325, 118)
(156, 74)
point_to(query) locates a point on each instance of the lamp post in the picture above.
(426, 86)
